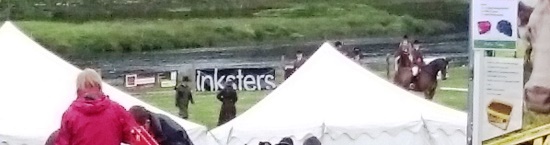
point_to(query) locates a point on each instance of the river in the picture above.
(114, 65)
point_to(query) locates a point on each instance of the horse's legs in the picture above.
(431, 91)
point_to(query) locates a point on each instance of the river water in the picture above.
(114, 66)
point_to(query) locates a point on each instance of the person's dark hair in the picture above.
(416, 42)
(405, 37)
(286, 141)
(312, 141)
(356, 49)
(140, 114)
(338, 43)
(299, 52)
(264, 143)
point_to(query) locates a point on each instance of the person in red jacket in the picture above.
(93, 119)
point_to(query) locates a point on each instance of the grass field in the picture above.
(206, 109)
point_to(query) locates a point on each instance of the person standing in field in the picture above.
(94, 119)
(300, 60)
(340, 47)
(165, 130)
(228, 97)
(183, 98)
(356, 54)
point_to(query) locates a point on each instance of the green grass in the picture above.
(298, 23)
(206, 109)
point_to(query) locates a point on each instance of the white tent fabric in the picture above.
(37, 87)
(333, 98)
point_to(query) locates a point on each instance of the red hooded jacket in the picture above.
(98, 121)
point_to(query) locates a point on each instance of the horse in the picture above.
(534, 29)
(403, 76)
(426, 79)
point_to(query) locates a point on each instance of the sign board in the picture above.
(510, 90)
(168, 79)
(133, 80)
(494, 24)
(247, 79)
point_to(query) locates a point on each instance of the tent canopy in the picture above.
(337, 100)
(37, 87)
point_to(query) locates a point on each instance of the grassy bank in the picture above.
(206, 109)
(285, 25)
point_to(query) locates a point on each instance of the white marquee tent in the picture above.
(342, 103)
(37, 87)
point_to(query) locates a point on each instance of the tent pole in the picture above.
(470, 123)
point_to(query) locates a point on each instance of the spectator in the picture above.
(92, 118)
(356, 54)
(312, 141)
(300, 60)
(264, 143)
(183, 97)
(340, 47)
(228, 97)
(165, 130)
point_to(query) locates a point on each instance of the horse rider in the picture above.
(417, 59)
(404, 47)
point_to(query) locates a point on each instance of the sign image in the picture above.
(492, 23)
(511, 90)
(247, 79)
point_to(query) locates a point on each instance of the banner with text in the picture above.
(511, 83)
(244, 79)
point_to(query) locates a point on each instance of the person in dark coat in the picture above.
(356, 55)
(183, 97)
(51, 139)
(312, 141)
(228, 97)
(165, 130)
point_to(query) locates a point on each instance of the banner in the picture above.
(510, 97)
(247, 79)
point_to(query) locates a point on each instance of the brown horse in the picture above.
(403, 76)
(426, 80)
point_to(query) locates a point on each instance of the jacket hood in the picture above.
(91, 101)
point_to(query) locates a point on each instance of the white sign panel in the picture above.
(494, 24)
(501, 96)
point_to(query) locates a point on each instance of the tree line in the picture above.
(86, 10)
